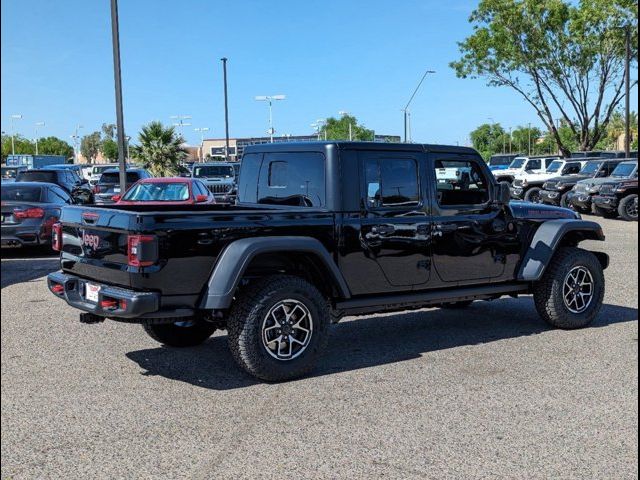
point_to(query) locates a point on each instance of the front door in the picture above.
(472, 237)
(395, 225)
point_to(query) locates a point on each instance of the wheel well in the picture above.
(575, 237)
(301, 264)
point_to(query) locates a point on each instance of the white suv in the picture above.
(522, 165)
(527, 186)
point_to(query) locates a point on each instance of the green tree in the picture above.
(22, 145)
(338, 129)
(90, 146)
(489, 139)
(160, 149)
(523, 136)
(109, 149)
(54, 146)
(560, 56)
(108, 131)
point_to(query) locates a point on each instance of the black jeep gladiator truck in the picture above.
(323, 230)
(618, 197)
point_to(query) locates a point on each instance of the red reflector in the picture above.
(29, 213)
(108, 303)
(56, 237)
(57, 289)
(134, 243)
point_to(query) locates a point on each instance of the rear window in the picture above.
(114, 177)
(500, 161)
(99, 169)
(16, 193)
(9, 172)
(37, 176)
(158, 192)
(217, 171)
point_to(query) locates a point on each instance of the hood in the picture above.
(600, 181)
(570, 178)
(538, 211)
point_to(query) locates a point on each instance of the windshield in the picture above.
(8, 172)
(206, 171)
(158, 192)
(36, 176)
(500, 161)
(555, 166)
(518, 163)
(18, 193)
(114, 177)
(591, 168)
(624, 170)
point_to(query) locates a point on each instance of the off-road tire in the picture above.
(172, 335)
(603, 212)
(624, 204)
(530, 193)
(564, 201)
(548, 292)
(456, 305)
(245, 327)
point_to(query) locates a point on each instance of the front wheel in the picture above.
(628, 208)
(571, 291)
(564, 201)
(184, 332)
(533, 195)
(278, 328)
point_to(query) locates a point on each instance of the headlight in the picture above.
(525, 183)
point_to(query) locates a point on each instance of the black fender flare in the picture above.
(547, 239)
(237, 256)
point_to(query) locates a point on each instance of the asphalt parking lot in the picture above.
(488, 393)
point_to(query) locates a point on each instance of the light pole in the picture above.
(128, 139)
(201, 130)
(345, 114)
(510, 140)
(627, 100)
(75, 138)
(13, 132)
(181, 122)
(226, 109)
(270, 99)
(406, 108)
(38, 124)
(318, 125)
(529, 131)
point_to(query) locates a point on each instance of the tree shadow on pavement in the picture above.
(369, 342)
(24, 265)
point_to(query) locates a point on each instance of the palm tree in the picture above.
(160, 149)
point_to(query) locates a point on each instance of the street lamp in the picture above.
(529, 131)
(406, 108)
(38, 124)
(318, 125)
(201, 130)
(13, 133)
(347, 114)
(181, 122)
(270, 99)
(75, 138)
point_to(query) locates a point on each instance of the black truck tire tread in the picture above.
(547, 293)
(622, 208)
(172, 335)
(530, 192)
(244, 325)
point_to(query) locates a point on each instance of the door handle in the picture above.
(383, 229)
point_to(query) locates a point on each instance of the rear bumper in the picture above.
(607, 203)
(112, 302)
(16, 237)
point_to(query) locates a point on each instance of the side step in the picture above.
(429, 298)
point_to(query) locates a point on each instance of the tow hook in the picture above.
(91, 318)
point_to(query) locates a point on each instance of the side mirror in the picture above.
(504, 193)
(116, 198)
(201, 198)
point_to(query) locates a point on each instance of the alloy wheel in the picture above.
(578, 289)
(287, 329)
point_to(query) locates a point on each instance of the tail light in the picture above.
(142, 250)
(58, 289)
(29, 213)
(56, 237)
(96, 188)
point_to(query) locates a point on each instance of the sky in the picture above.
(360, 56)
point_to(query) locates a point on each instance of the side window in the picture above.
(609, 168)
(57, 195)
(460, 182)
(571, 168)
(391, 182)
(534, 165)
(295, 179)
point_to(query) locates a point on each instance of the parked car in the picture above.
(219, 177)
(109, 184)
(166, 191)
(98, 170)
(75, 168)
(618, 197)
(29, 210)
(528, 185)
(324, 230)
(580, 198)
(555, 191)
(68, 180)
(524, 164)
(9, 174)
(501, 161)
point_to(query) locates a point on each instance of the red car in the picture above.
(166, 191)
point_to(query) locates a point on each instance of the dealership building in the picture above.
(214, 148)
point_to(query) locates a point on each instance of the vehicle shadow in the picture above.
(24, 265)
(370, 342)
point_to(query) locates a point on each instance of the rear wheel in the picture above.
(533, 195)
(278, 328)
(628, 208)
(571, 291)
(184, 332)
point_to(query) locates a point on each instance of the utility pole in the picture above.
(627, 100)
(529, 131)
(76, 137)
(13, 133)
(406, 108)
(115, 38)
(38, 124)
(226, 110)
(347, 115)
(270, 99)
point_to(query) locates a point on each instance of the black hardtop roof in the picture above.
(343, 145)
(28, 184)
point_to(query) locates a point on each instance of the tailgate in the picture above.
(95, 243)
